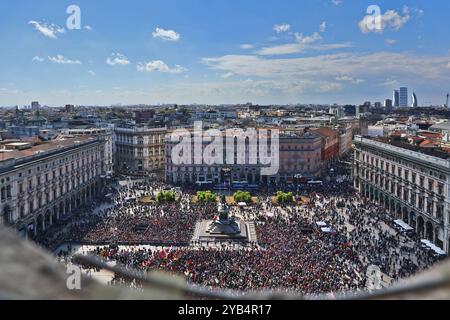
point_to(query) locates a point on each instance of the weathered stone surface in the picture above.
(28, 272)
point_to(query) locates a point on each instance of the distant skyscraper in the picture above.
(35, 106)
(403, 97)
(396, 98)
(388, 103)
(415, 103)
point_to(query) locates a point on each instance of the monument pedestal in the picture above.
(223, 228)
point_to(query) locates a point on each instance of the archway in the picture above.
(448, 245)
(48, 218)
(29, 230)
(55, 214)
(412, 219)
(420, 226)
(40, 224)
(438, 233)
(62, 207)
(429, 231)
(405, 215)
(398, 211)
(7, 219)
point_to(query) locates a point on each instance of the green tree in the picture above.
(206, 196)
(166, 196)
(284, 197)
(242, 196)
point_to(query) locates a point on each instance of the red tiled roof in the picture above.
(325, 131)
(428, 144)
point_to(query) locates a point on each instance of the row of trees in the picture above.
(210, 197)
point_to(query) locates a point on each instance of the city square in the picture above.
(305, 257)
(215, 151)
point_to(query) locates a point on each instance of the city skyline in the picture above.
(222, 53)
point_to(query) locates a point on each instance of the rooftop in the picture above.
(441, 126)
(440, 153)
(325, 131)
(42, 148)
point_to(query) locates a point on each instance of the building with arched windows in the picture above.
(139, 150)
(42, 182)
(411, 185)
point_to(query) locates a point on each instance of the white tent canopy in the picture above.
(433, 247)
(404, 225)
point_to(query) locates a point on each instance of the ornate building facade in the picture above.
(105, 134)
(139, 150)
(412, 186)
(298, 154)
(41, 183)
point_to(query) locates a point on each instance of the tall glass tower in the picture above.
(396, 98)
(403, 97)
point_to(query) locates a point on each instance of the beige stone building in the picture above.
(39, 183)
(411, 185)
(139, 150)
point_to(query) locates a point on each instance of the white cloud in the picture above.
(88, 28)
(168, 35)
(336, 2)
(38, 59)
(308, 39)
(159, 66)
(227, 75)
(117, 59)
(418, 12)
(304, 43)
(279, 28)
(293, 48)
(349, 79)
(92, 73)
(247, 46)
(290, 48)
(390, 19)
(324, 67)
(60, 59)
(48, 30)
(390, 42)
(329, 87)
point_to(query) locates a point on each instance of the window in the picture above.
(441, 189)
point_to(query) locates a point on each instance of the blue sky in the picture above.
(222, 51)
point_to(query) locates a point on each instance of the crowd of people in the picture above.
(125, 219)
(285, 259)
(292, 253)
